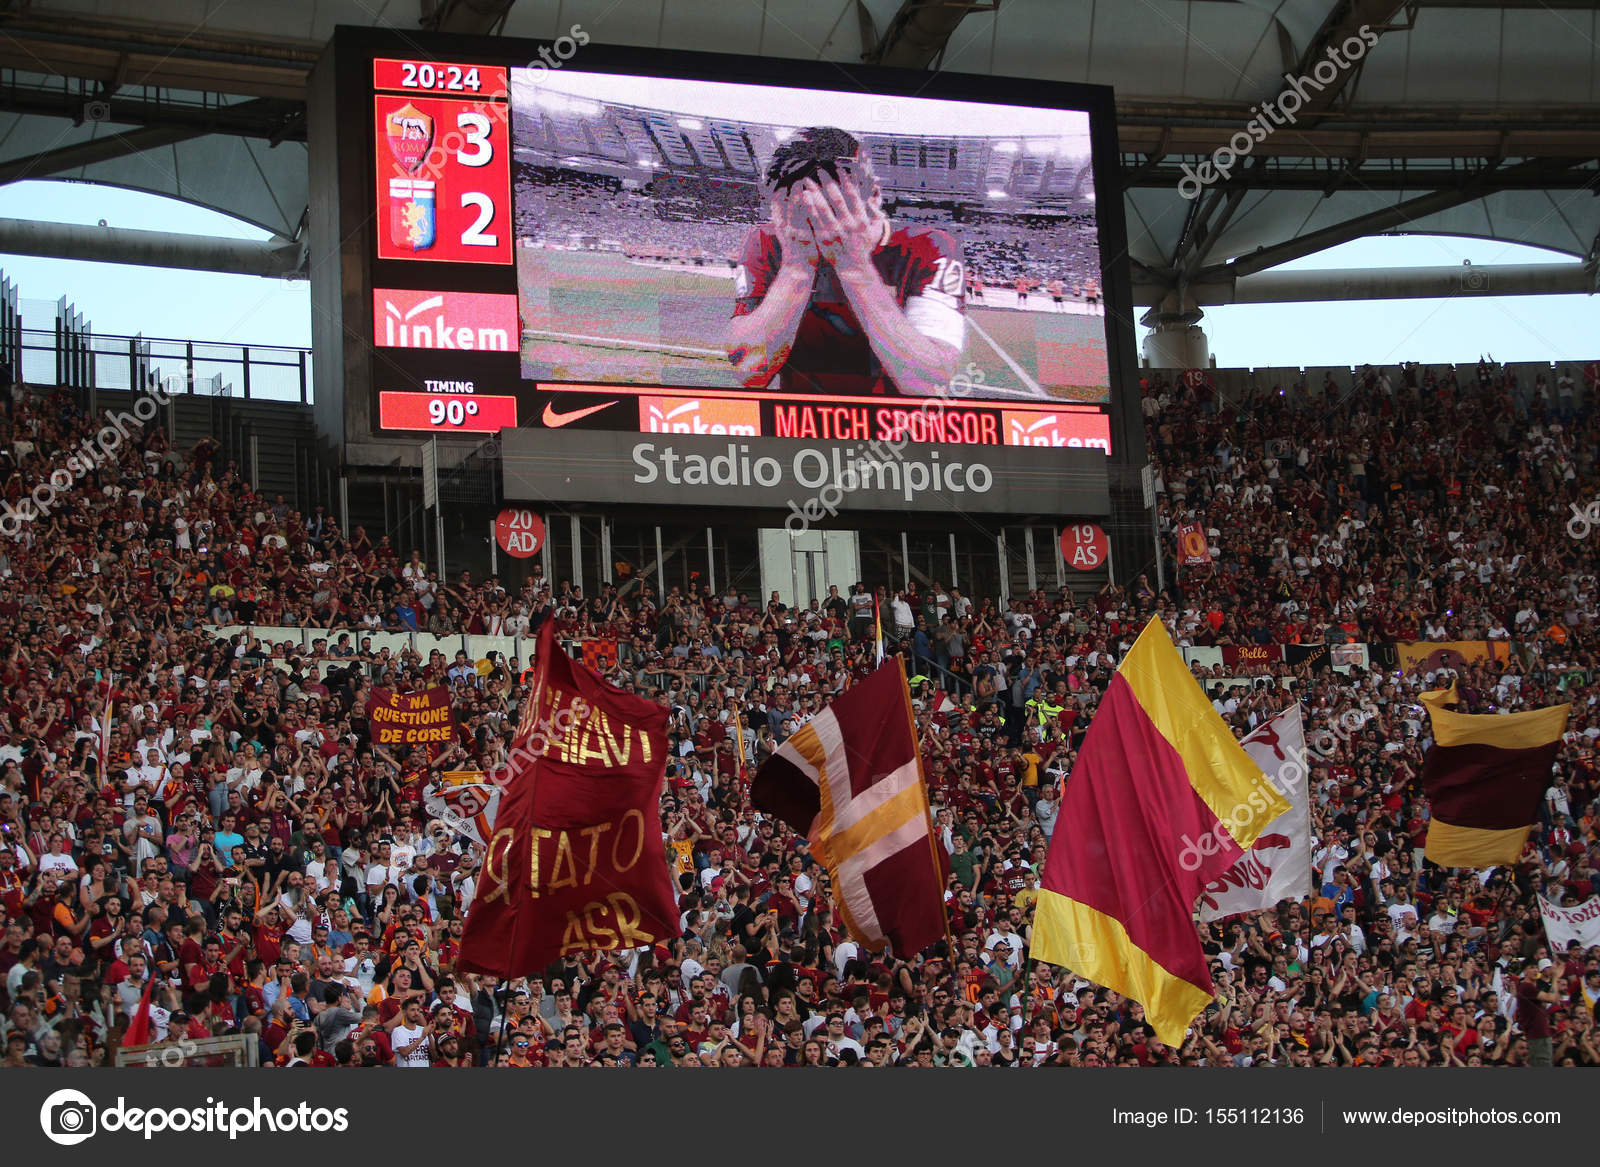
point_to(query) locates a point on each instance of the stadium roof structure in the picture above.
(1461, 117)
(632, 142)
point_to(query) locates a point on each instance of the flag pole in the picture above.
(927, 810)
(1027, 986)
(529, 720)
(103, 742)
(877, 634)
(738, 730)
(504, 992)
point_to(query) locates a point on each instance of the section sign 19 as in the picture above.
(1084, 546)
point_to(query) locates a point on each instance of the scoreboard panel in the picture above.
(587, 239)
(444, 194)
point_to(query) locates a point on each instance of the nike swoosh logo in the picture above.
(556, 420)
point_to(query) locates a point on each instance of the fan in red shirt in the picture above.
(269, 938)
(199, 974)
(831, 297)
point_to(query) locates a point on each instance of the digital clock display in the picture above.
(439, 77)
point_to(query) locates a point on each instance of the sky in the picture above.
(1357, 332)
(122, 300)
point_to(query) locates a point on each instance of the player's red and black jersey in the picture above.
(831, 353)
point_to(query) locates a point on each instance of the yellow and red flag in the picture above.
(1485, 775)
(1161, 801)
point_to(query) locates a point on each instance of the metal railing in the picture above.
(76, 358)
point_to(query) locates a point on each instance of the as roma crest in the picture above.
(410, 134)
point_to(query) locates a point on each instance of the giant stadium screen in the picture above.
(596, 238)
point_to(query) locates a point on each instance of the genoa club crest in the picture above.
(411, 218)
(410, 134)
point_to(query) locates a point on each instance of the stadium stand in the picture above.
(189, 791)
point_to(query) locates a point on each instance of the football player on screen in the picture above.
(830, 296)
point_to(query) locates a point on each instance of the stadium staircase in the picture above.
(274, 442)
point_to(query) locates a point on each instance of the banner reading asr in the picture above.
(575, 863)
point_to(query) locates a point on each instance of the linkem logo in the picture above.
(458, 321)
(70, 1117)
(691, 415)
(1074, 430)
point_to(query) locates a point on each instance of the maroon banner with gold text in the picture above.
(413, 719)
(576, 861)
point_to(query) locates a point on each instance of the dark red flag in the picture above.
(850, 779)
(139, 1028)
(575, 862)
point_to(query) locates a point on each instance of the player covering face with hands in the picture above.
(831, 296)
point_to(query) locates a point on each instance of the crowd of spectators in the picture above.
(210, 814)
(559, 208)
(702, 220)
(1036, 248)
